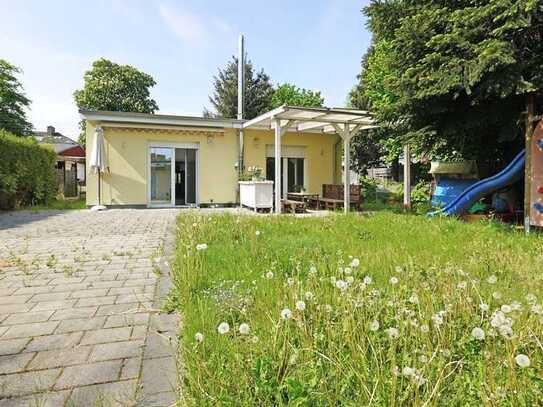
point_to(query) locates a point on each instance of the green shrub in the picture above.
(27, 172)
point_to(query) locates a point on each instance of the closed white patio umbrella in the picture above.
(98, 162)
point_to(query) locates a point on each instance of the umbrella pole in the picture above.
(99, 198)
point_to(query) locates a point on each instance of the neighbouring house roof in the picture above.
(58, 141)
(74, 151)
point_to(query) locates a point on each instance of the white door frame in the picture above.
(173, 146)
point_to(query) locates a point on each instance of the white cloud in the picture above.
(194, 30)
(188, 27)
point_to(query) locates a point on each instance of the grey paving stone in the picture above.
(163, 399)
(28, 317)
(74, 313)
(11, 346)
(140, 318)
(87, 302)
(116, 350)
(91, 292)
(106, 335)
(45, 297)
(34, 329)
(92, 373)
(159, 375)
(81, 324)
(60, 358)
(50, 342)
(49, 399)
(12, 308)
(14, 363)
(53, 305)
(121, 394)
(14, 299)
(19, 384)
(131, 368)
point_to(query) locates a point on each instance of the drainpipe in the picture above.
(241, 82)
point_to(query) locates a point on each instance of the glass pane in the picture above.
(291, 185)
(191, 176)
(161, 175)
(270, 169)
(300, 172)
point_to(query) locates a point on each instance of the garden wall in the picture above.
(27, 172)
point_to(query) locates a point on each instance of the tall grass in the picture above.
(396, 329)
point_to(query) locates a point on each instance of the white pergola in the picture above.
(345, 122)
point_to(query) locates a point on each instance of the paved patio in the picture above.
(79, 299)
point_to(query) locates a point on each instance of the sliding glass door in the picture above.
(161, 175)
(173, 176)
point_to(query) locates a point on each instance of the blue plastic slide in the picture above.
(510, 174)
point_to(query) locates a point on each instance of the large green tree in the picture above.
(288, 94)
(258, 92)
(450, 77)
(13, 102)
(114, 87)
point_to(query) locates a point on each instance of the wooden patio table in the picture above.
(304, 197)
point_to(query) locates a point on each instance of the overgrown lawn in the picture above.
(358, 310)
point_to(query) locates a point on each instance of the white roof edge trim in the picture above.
(160, 119)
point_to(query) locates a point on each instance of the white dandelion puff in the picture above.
(478, 333)
(269, 275)
(374, 325)
(201, 246)
(355, 263)
(308, 296)
(244, 328)
(392, 333)
(300, 305)
(393, 280)
(522, 360)
(367, 280)
(286, 313)
(199, 337)
(492, 279)
(223, 328)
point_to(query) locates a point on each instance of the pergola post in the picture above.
(277, 179)
(407, 176)
(347, 160)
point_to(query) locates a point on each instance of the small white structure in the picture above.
(256, 194)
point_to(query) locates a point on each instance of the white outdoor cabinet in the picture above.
(256, 194)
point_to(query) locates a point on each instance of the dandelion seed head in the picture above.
(522, 360)
(506, 309)
(257, 233)
(367, 280)
(424, 328)
(308, 296)
(286, 313)
(496, 295)
(374, 325)
(393, 280)
(300, 305)
(223, 328)
(355, 263)
(244, 328)
(392, 333)
(492, 279)
(199, 337)
(201, 246)
(478, 333)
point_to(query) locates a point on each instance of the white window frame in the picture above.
(172, 145)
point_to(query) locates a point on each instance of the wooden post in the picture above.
(407, 177)
(347, 160)
(530, 110)
(277, 179)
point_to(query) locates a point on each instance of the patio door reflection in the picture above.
(161, 175)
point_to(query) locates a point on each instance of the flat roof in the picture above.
(293, 118)
(162, 119)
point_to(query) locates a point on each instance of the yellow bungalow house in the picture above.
(162, 160)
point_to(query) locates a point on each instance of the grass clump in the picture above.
(386, 309)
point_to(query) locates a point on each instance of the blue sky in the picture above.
(315, 44)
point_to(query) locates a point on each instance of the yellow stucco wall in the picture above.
(127, 154)
(319, 154)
